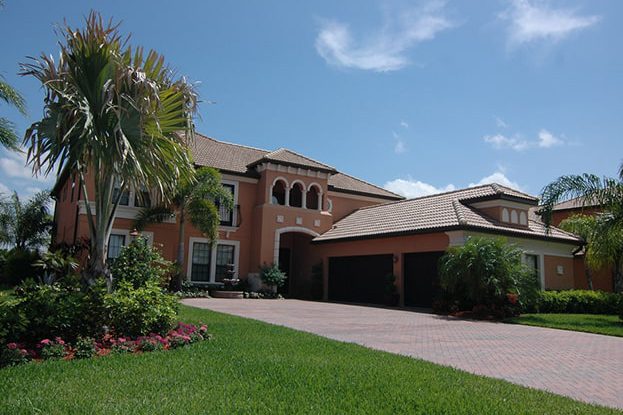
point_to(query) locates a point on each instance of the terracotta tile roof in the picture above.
(576, 203)
(207, 151)
(289, 157)
(440, 212)
(237, 158)
(344, 182)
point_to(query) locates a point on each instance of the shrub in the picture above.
(138, 263)
(84, 348)
(136, 312)
(482, 273)
(272, 276)
(579, 301)
(52, 349)
(13, 354)
(19, 265)
(13, 321)
(61, 310)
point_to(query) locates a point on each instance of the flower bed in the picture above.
(47, 349)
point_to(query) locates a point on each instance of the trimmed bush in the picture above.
(138, 263)
(19, 266)
(55, 310)
(140, 311)
(272, 276)
(578, 302)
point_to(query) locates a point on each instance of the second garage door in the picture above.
(359, 279)
(421, 278)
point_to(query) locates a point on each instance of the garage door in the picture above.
(359, 279)
(421, 278)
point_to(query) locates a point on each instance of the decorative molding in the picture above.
(123, 212)
(287, 229)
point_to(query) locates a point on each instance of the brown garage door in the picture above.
(359, 279)
(421, 278)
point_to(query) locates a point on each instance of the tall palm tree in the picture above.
(200, 199)
(607, 193)
(585, 226)
(8, 136)
(25, 225)
(115, 113)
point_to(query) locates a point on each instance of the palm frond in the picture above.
(156, 214)
(11, 96)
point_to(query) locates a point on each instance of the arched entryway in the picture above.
(293, 254)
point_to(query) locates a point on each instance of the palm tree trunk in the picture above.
(589, 277)
(617, 276)
(181, 237)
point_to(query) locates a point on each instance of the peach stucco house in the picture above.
(336, 236)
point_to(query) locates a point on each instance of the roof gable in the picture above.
(239, 159)
(435, 213)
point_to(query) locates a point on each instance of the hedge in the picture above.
(579, 302)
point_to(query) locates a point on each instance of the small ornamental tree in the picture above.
(272, 276)
(138, 263)
(485, 272)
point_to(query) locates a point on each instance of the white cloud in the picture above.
(385, 50)
(532, 21)
(400, 147)
(501, 141)
(14, 167)
(547, 139)
(411, 188)
(544, 139)
(404, 124)
(500, 123)
(499, 178)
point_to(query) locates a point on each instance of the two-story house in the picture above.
(302, 214)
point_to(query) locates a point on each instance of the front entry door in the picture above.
(284, 265)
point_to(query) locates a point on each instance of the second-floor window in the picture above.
(125, 196)
(227, 215)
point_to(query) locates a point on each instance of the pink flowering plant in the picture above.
(52, 349)
(13, 354)
(85, 347)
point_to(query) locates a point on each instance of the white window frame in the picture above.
(129, 238)
(189, 265)
(234, 215)
(541, 263)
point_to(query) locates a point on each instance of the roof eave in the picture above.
(452, 228)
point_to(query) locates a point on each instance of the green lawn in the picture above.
(253, 367)
(591, 323)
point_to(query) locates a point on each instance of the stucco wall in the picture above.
(555, 280)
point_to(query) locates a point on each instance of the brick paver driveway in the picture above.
(583, 366)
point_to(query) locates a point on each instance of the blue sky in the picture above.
(417, 96)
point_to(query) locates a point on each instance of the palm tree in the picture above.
(200, 199)
(115, 113)
(8, 137)
(584, 226)
(25, 225)
(606, 242)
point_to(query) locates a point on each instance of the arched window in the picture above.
(313, 198)
(279, 193)
(514, 218)
(505, 217)
(523, 219)
(296, 195)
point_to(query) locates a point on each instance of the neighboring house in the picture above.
(602, 278)
(305, 215)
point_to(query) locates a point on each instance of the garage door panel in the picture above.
(359, 279)
(421, 278)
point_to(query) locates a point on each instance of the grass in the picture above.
(590, 323)
(253, 367)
